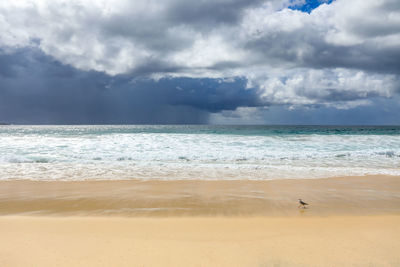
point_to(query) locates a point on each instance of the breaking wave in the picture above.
(193, 152)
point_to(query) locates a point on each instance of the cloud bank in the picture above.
(254, 55)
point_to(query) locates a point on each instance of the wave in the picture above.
(28, 160)
(104, 152)
(81, 172)
(389, 154)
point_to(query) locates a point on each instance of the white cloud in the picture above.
(331, 87)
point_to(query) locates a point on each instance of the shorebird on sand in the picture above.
(302, 203)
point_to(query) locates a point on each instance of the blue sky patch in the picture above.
(308, 5)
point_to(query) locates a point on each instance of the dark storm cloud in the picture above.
(316, 53)
(37, 89)
(208, 14)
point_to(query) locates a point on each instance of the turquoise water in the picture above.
(196, 152)
(258, 130)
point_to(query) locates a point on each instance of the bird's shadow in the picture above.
(302, 211)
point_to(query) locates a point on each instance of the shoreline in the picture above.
(365, 195)
(202, 179)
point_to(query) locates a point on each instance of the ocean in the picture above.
(207, 152)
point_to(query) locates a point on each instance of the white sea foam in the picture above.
(65, 154)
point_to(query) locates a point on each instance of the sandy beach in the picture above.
(351, 221)
(217, 241)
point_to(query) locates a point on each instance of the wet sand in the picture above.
(332, 196)
(352, 221)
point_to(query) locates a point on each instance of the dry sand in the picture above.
(216, 241)
(353, 221)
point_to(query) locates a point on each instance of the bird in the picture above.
(302, 203)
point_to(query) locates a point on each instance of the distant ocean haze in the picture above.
(196, 152)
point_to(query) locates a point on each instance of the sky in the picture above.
(200, 61)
